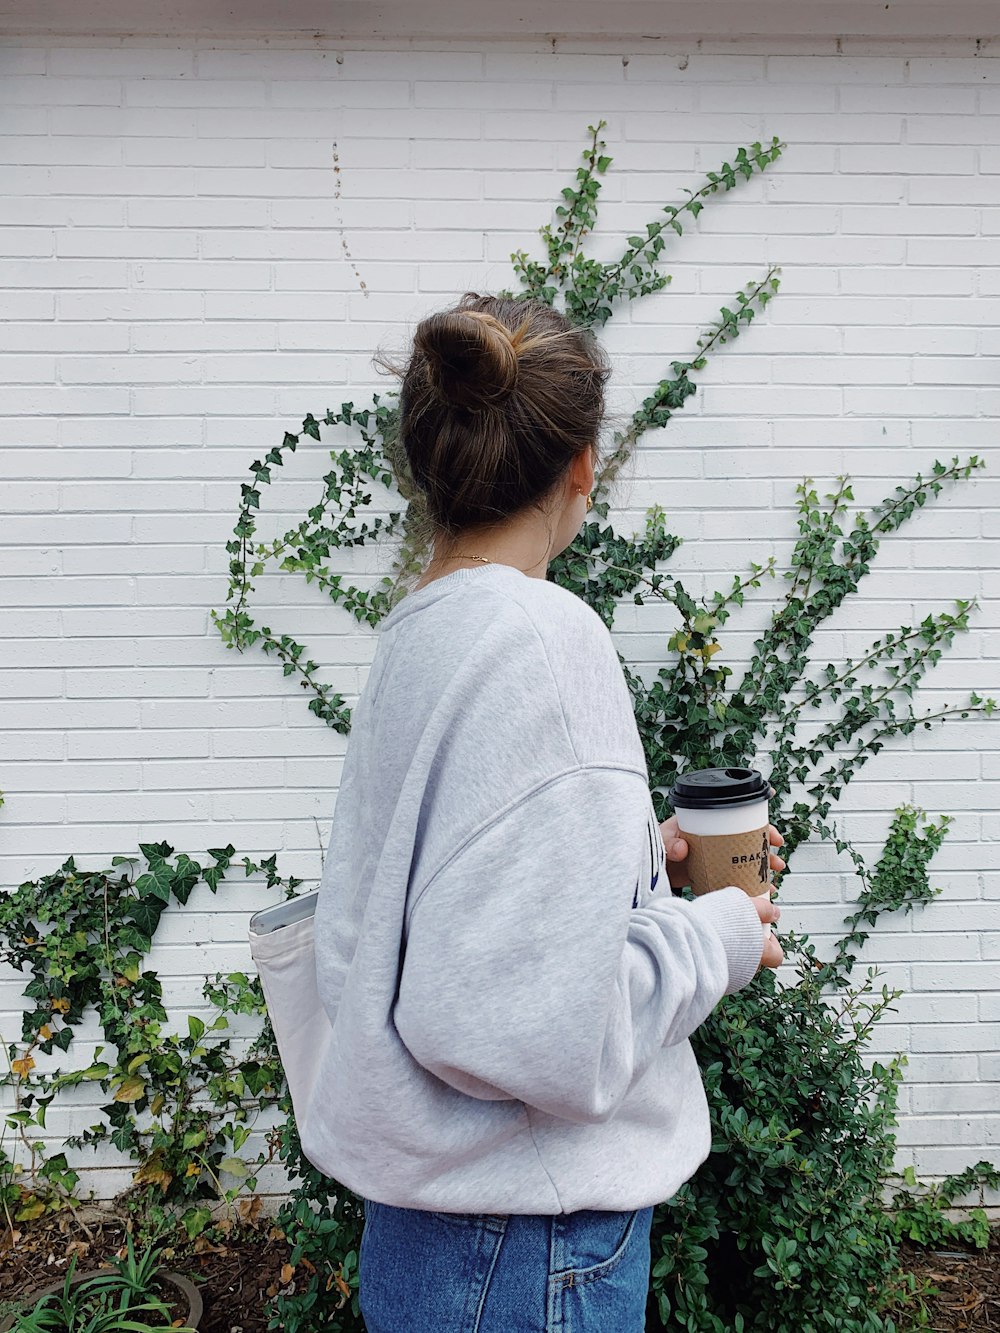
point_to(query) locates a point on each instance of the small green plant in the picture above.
(323, 1223)
(789, 1204)
(918, 1213)
(105, 1303)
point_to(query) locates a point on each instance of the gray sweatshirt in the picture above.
(510, 980)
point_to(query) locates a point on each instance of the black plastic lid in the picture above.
(718, 788)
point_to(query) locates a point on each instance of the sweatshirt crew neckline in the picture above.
(445, 583)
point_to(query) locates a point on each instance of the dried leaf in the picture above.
(250, 1210)
(287, 1272)
(203, 1245)
(153, 1170)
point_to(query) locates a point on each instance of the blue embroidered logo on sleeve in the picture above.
(654, 861)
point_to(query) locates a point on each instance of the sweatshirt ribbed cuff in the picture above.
(734, 918)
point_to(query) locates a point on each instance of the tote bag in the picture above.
(282, 944)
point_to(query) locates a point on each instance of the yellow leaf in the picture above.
(132, 1088)
(30, 1211)
(193, 1169)
(61, 1006)
(156, 1106)
(22, 1066)
(45, 1032)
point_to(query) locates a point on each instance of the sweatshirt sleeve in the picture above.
(528, 974)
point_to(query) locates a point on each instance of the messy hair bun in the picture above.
(471, 358)
(498, 396)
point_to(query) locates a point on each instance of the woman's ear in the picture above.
(582, 471)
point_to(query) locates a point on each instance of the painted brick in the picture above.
(835, 69)
(56, 91)
(178, 293)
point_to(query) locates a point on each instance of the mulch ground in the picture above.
(967, 1284)
(238, 1274)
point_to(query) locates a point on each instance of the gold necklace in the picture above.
(484, 558)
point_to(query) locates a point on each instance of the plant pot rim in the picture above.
(186, 1288)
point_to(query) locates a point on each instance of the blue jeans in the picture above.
(425, 1272)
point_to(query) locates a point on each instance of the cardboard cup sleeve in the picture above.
(716, 861)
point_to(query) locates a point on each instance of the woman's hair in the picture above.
(498, 396)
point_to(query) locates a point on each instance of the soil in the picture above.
(967, 1283)
(236, 1275)
(240, 1273)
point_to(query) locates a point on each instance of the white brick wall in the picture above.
(183, 281)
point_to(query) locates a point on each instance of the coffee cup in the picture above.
(722, 816)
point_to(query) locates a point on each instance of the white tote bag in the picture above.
(283, 948)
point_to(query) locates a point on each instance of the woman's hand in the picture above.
(677, 852)
(768, 911)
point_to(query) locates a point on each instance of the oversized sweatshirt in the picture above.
(510, 981)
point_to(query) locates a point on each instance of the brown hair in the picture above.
(498, 396)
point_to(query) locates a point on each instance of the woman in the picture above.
(512, 984)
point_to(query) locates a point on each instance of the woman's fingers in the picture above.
(773, 955)
(776, 840)
(769, 911)
(677, 850)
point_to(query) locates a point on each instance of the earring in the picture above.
(590, 503)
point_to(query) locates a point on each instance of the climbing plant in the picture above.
(180, 1104)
